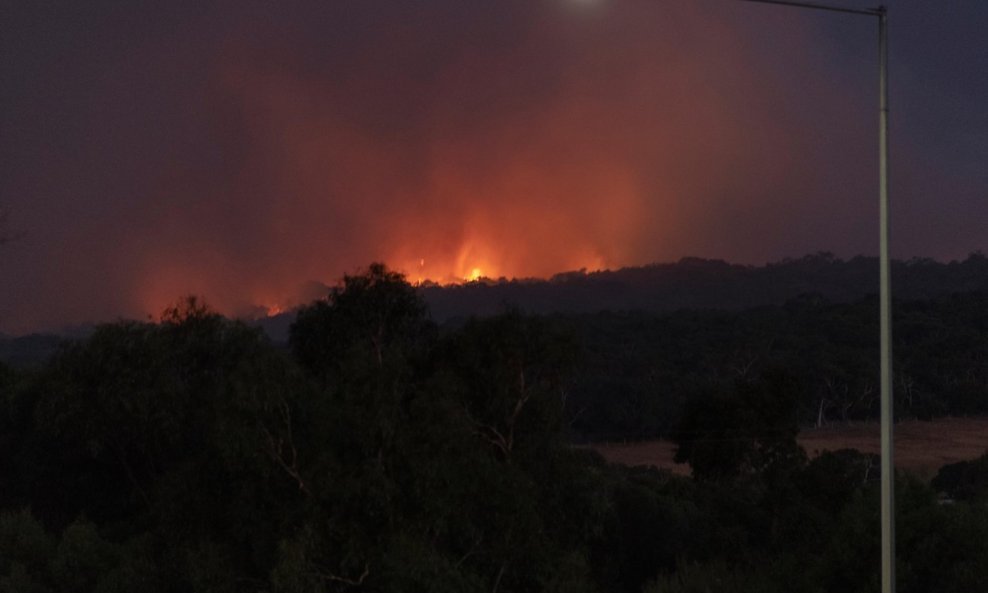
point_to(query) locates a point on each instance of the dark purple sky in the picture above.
(240, 149)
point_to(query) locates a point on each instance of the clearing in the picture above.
(921, 448)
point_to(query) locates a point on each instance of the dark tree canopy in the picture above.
(374, 316)
(381, 453)
(748, 428)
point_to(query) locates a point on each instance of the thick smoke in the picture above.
(240, 151)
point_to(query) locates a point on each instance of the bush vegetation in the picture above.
(379, 452)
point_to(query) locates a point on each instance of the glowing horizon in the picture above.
(235, 154)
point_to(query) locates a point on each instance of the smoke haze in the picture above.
(241, 150)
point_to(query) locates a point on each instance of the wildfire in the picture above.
(476, 259)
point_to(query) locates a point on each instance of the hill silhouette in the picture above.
(690, 283)
(694, 283)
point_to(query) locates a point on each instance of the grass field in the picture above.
(921, 448)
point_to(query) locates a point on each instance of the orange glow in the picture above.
(474, 260)
(623, 159)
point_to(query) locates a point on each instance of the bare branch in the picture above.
(122, 457)
(491, 434)
(500, 575)
(276, 448)
(328, 576)
(473, 550)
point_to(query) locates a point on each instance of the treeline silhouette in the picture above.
(695, 283)
(381, 452)
(641, 369)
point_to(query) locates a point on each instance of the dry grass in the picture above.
(921, 448)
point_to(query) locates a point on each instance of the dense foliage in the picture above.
(641, 369)
(381, 453)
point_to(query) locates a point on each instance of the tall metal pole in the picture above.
(885, 290)
(885, 287)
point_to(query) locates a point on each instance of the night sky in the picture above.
(240, 150)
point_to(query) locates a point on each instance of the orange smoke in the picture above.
(589, 142)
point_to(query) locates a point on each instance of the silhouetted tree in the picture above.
(366, 319)
(964, 480)
(514, 371)
(748, 429)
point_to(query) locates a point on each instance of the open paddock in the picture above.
(921, 448)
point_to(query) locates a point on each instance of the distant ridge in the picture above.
(690, 283)
(695, 283)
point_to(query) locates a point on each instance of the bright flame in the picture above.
(473, 263)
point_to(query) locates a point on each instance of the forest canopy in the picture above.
(382, 452)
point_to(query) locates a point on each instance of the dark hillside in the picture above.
(708, 284)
